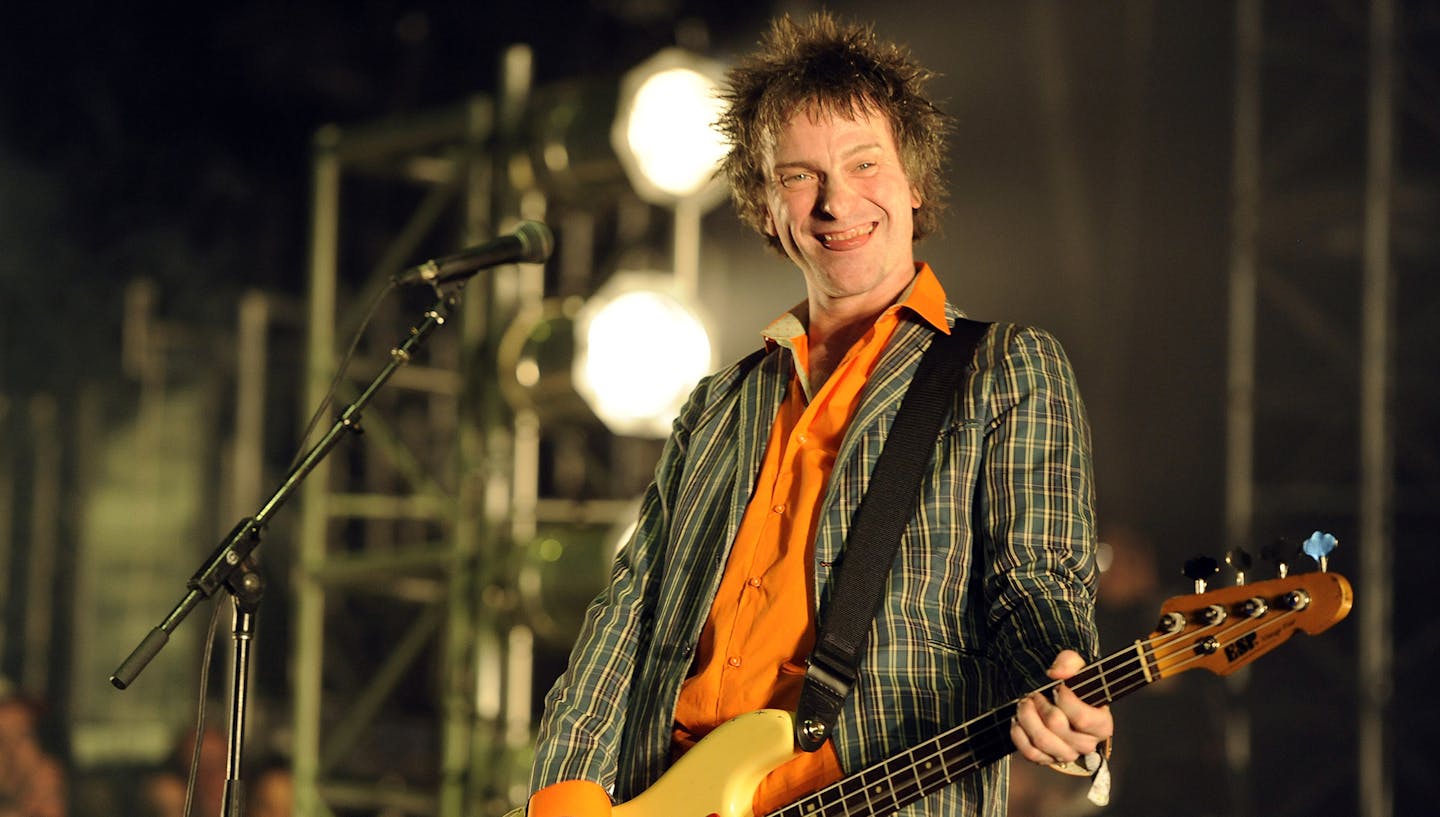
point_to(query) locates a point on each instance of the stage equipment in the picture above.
(663, 131)
(641, 346)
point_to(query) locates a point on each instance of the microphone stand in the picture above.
(230, 567)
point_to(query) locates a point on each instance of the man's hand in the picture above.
(1064, 730)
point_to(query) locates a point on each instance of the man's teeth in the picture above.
(848, 234)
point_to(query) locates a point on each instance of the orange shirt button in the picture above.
(733, 661)
(754, 581)
(804, 438)
(778, 509)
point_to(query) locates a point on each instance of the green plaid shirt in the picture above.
(995, 573)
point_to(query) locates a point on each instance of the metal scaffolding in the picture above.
(511, 481)
(1312, 413)
(422, 520)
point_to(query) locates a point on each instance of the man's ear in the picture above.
(769, 221)
(915, 201)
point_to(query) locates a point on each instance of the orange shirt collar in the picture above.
(924, 296)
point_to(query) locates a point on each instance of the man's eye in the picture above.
(794, 180)
(865, 166)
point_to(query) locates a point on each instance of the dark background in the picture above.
(1090, 193)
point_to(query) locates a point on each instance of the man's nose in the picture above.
(837, 197)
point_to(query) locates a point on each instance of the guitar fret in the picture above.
(1080, 684)
(893, 788)
(1144, 665)
(865, 790)
(916, 765)
(818, 803)
(1152, 666)
(910, 787)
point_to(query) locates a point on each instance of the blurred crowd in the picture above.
(34, 782)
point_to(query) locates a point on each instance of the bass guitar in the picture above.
(1220, 631)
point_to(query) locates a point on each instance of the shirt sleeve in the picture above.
(582, 728)
(1037, 510)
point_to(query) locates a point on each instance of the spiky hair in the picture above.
(830, 68)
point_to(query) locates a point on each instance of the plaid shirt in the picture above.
(995, 573)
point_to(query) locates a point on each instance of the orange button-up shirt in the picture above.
(761, 627)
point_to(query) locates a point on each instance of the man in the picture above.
(712, 606)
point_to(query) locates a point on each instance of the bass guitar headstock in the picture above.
(1225, 629)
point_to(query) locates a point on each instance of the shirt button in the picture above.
(778, 508)
(733, 661)
(804, 438)
(754, 581)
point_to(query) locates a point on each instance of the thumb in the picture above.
(1066, 664)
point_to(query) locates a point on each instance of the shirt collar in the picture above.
(924, 296)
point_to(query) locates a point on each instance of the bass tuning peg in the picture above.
(1199, 570)
(1239, 562)
(1280, 552)
(1319, 547)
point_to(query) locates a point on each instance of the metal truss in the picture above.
(480, 517)
(401, 621)
(1331, 389)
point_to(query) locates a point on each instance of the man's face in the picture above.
(841, 206)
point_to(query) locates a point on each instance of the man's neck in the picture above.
(828, 349)
(834, 327)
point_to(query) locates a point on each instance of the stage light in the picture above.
(663, 130)
(536, 358)
(566, 565)
(640, 348)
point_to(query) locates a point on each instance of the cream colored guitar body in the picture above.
(719, 776)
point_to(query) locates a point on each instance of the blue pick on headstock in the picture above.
(1319, 546)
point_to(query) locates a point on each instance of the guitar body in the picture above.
(720, 774)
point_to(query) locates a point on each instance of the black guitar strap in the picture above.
(888, 504)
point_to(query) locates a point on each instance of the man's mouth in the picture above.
(847, 238)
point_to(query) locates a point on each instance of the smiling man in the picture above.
(711, 612)
(840, 206)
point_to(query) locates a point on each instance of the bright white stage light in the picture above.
(664, 128)
(640, 350)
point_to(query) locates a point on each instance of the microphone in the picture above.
(531, 243)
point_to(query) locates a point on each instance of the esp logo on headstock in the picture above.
(1239, 647)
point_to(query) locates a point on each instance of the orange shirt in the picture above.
(761, 627)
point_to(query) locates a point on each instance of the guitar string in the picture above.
(938, 746)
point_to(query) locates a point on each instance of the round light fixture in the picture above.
(640, 350)
(664, 128)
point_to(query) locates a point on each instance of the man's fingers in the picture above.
(1062, 728)
(1023, 745)
(1034, 731)
(1083, 720)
